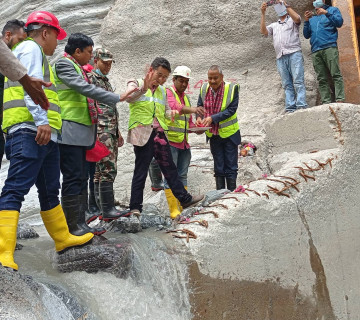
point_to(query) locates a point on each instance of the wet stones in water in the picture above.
(125, 225)
(154, 221)
(23, 298)
(25, 231)
(114, 256)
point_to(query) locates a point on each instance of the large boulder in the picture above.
(296, 229)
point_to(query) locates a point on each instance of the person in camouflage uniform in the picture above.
(108, 133)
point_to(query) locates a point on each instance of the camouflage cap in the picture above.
(103, 54)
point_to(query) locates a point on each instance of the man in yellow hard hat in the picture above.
(178, 131)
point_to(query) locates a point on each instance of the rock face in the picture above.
(297, 229)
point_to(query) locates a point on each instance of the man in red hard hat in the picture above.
(31, 142)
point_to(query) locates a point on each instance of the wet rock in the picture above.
(18, 246)
(154, 221)
(125, 225)
(101, 254)
(71, 302)
(23, 298)
(25, 231)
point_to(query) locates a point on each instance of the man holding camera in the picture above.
(289, 58)
(322, 31)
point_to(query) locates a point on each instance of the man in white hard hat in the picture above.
(178, 131)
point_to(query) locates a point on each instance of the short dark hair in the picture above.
(13, 26)
(78, 40)
(161, 62)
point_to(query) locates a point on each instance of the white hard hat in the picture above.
(182, 71)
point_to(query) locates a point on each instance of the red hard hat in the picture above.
(45, 17)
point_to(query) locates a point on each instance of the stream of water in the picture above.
(155, 290)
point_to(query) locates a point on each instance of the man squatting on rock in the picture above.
(31, 142)
(79, 119)
(109, 134)
(178, 132)
(147, 126)
(322, 31)
(289, 58)
(220, 100)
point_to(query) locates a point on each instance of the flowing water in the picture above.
(156, 288)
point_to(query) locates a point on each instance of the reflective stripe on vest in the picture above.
(230, 125)
(147, 107)
(15, 110)
(178, 128)
(74, 105)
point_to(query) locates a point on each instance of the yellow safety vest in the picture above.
(147, 107)
(74, 105)
(230, 125)
(15, 110)
(178, 128)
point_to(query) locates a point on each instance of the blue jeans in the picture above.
(181, 158)
(291, 69)
(225, 154)
(30, 164)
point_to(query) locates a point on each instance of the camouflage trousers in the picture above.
(106, 168)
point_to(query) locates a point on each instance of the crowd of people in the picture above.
(63, 119)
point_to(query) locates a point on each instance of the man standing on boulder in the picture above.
(322, 31)
(220, 100)
(79, 115)
(178, 134)
(289, 58)
(109, 134)
(147, 126)
(31, 142)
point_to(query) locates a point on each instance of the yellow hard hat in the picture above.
(182, 71)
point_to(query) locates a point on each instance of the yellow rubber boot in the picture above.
(173, 204)
(8, 226)
(55, 224)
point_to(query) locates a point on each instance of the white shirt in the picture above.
(285, 36)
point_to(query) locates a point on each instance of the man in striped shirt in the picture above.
(289, 58)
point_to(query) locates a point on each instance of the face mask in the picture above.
(318, 3)
(282, 13)
(100, 73)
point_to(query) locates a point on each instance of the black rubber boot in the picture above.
(108, 210)
(81, 222)
(231, 184)
(72, 206)
(157, 183)
(220, 183)
(93, 210)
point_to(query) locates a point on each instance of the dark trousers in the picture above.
(74, 170)
(162, 154)
(30, 164)
(90, 173)
(225, 154)
(2, 145)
